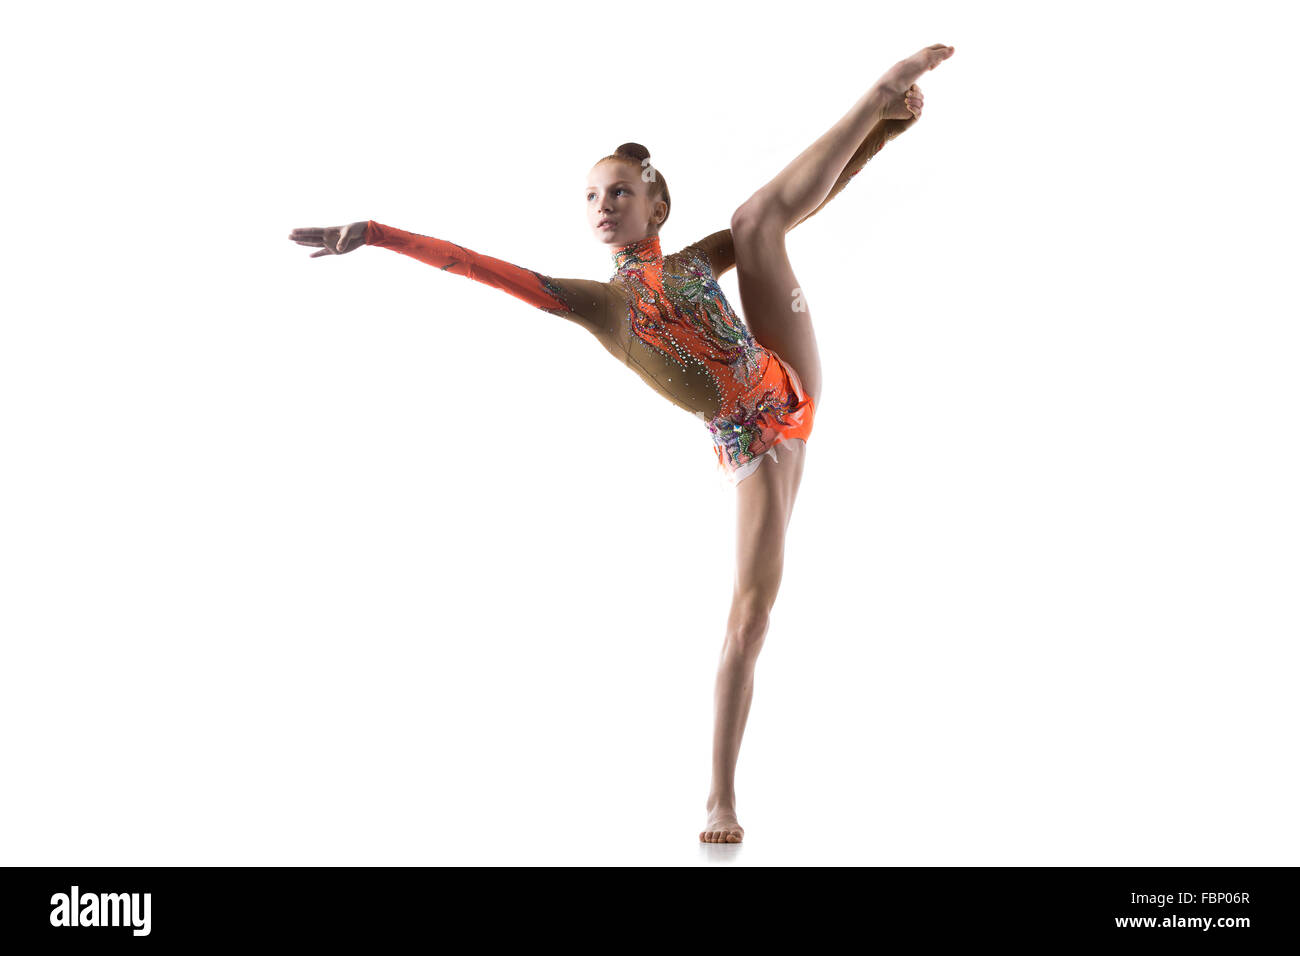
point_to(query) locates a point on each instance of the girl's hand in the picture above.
(905, 106)
(333, 240)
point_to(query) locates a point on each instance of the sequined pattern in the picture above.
(677, 308)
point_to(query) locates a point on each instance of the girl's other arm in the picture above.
(580, 300)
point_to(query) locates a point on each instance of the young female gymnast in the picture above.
(755, 382)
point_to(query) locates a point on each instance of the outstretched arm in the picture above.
(580, 300)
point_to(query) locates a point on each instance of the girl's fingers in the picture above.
(333, 240)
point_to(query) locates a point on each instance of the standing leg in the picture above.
(764, 503)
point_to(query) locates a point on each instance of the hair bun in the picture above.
(634, 150)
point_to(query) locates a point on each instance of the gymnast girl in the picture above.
(755, 382)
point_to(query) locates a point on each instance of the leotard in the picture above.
(667, 319)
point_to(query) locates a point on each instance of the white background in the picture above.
(347, 560)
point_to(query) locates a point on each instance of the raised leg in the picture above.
(764, 503)
(799, 188)
(875, 141)
(774, 305)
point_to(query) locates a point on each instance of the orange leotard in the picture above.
(667, 319)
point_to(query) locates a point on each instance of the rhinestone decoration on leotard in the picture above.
(677, 308)
(683, 314)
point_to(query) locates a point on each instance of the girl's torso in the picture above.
(671, 323)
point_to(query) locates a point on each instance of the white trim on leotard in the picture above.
(736, 476)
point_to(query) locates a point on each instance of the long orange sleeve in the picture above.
(532, 287)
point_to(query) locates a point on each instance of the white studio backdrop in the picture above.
(350, 561)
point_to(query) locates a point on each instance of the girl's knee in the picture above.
(747, 630)
(756, 214)
(741, 219)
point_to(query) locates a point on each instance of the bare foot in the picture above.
(896, 80)
(723, 827)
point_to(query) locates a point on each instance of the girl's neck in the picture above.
(639, 252)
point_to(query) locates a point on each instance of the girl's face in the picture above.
(619, 205)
